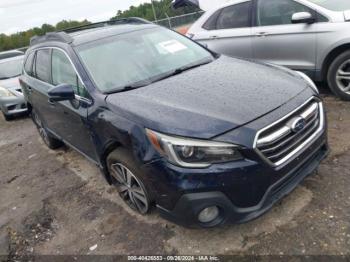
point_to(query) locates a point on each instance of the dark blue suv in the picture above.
(207, 139)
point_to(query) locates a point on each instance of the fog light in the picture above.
(208, 214)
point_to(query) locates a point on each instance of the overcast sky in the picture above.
(19, 15)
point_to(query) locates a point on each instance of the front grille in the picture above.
(281, 141)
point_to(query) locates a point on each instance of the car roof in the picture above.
(9, 54)
(94, 34)
(13, 58)
(87, 33)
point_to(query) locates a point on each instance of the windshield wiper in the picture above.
(181, 70)
(146, 83)
(185, 68)
(127, 88)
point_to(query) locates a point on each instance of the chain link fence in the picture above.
(179, 21)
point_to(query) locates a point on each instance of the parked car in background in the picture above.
(9, 54)
(11, 96)
(206, 138)
(312, 36)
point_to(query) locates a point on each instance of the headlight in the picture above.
(5, 92)
(193, 153)
(309, 81)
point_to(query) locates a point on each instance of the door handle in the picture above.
(262, 34)
(213, 36)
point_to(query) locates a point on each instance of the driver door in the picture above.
(72, 123)
(277, 40)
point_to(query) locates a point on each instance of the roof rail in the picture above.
(63, 36)
(51, 36)
(135, 20)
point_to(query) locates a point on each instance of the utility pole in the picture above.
(154, 12)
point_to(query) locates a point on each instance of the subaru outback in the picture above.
(205, 138)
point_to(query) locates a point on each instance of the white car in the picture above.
(11, 97)
(311, 36)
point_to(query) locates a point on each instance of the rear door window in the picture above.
(235, 16)
(43, 65)
(210, 24)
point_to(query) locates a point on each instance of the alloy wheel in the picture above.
(343, 77)
(130, 188)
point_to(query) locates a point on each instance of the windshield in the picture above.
(333, 5)
(11, 68)
(139, 58)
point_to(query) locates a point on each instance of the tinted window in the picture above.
(278, 12)
(236, 16)
(28, 67)
(64, 73)
(210, 24)
(42, 65)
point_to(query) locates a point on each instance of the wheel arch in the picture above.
(334, 53)
(109, 148)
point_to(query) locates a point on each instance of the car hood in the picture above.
(11, 84)
(212, 99)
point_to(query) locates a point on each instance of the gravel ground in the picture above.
(56, 202)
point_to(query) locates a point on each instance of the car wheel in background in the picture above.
(128, 179)
(50, 141)
(339, 76)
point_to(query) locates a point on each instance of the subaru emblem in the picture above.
(298, 124)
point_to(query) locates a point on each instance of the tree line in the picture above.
(21, 39)
(162, 9)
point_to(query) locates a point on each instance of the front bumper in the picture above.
(13, 105)
(189, 205)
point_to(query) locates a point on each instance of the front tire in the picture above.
(338, 76)
(48, 139)
(129, 180)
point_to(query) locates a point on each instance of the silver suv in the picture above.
(311, 36)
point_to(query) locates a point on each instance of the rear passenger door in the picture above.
(40, 86)
(229, 30)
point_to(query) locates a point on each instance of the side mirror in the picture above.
(303, 18)
(61, 92)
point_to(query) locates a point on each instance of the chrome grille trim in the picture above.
(279, 138)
